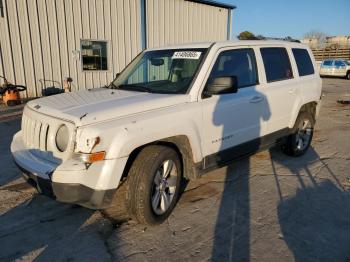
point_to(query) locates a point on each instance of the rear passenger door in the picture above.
(280, 87)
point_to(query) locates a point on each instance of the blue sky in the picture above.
(280, 18)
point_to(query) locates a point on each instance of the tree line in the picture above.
(247, 35)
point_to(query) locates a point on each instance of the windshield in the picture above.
(161, 71)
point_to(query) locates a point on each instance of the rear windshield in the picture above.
(303, 60)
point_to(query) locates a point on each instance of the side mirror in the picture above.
(221, 85)
(116, 75)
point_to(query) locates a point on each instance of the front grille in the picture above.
(39, 132)
(35, 133)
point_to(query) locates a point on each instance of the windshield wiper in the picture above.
(111, 85)
(135, 88)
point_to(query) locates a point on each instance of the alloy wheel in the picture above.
(164, 187)
(303, 135)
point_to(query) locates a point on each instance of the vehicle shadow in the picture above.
(42, 229)
(232, 229)
(315, 222)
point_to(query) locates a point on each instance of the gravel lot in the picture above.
(269, 207)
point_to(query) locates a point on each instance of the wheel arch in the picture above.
(308, 107)
(181, 145)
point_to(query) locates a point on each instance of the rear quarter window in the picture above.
(338, 63)
(276, 63)
(303, 60)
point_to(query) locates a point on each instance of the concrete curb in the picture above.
(11, 116)
(10, 112)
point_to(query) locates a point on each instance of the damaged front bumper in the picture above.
(68, 192)
(70, 181)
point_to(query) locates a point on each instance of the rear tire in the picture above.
(299, 141)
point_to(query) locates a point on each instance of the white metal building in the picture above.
(44, 41)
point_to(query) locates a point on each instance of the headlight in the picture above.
(62, 138)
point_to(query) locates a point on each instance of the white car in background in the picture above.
(335, 67)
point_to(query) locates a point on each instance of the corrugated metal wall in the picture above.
(40, 39)
(179, 21)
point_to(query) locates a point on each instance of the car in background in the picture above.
(335, 67)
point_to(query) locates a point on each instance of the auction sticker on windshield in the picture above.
(186, 55)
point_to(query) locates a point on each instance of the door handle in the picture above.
(291, 91)
(256, 99)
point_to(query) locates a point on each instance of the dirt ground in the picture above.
(269, 207)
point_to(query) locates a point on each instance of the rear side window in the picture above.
(238, 62)
(303, 60)
(276, 63)
(339, 63)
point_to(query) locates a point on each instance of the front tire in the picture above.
(155, 179)
(299, 141)
(347, 75)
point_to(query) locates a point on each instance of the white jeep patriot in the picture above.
(173, 113)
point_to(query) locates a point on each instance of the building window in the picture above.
(94, 55)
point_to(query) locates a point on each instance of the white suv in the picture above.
(173, 113)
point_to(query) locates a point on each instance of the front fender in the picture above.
(120, 137)
(146, 132)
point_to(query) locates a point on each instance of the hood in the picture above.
(100, 104)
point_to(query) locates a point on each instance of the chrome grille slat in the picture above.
(36, 137)
(34, 133)
(23, 127)
(26, 130)
(47, 137)
(30, 133)
(43, 134)
(38, 133)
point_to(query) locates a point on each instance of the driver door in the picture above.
(233, 123)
